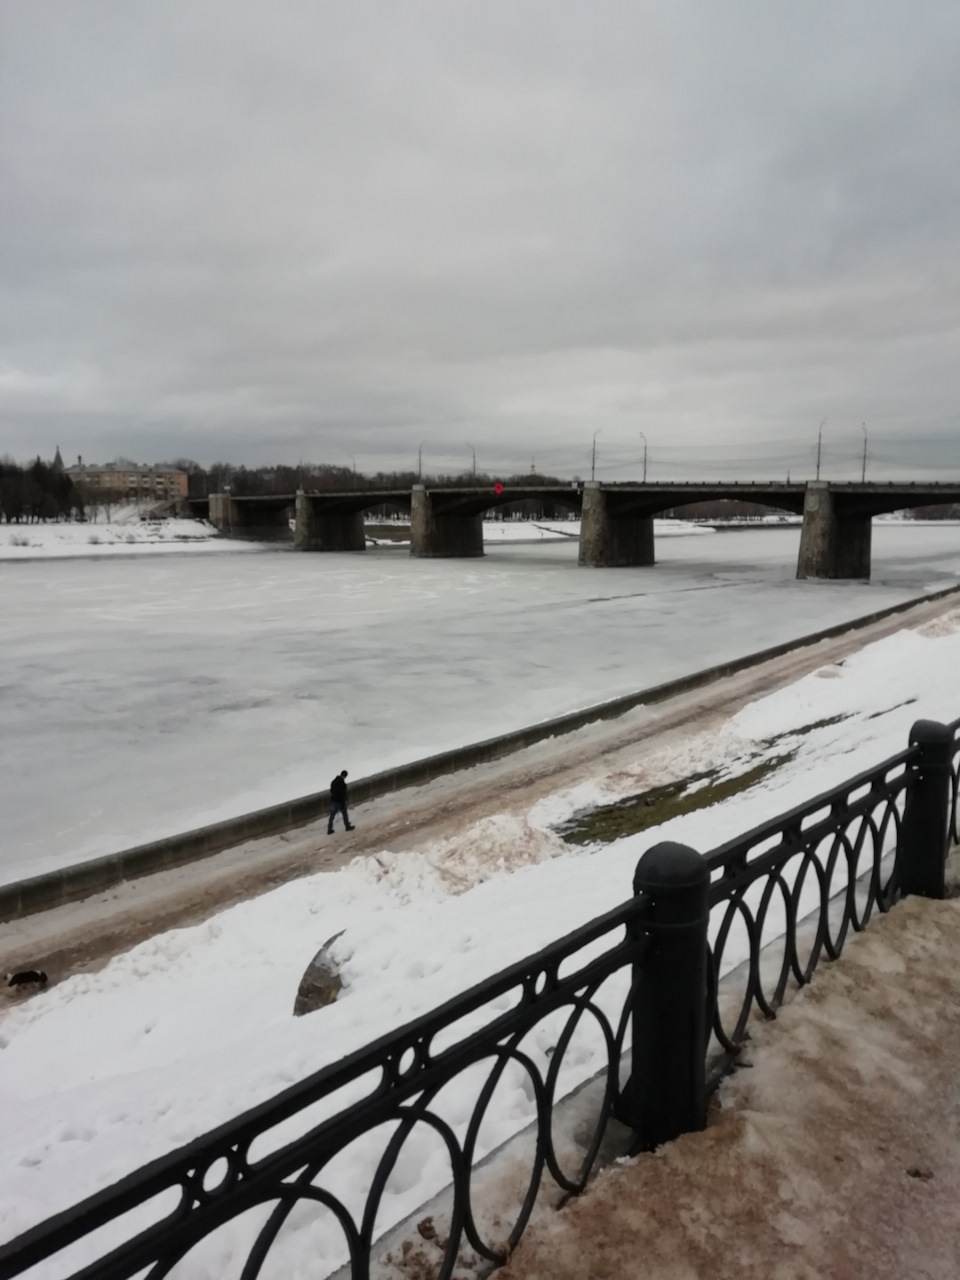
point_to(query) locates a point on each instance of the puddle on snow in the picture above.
(625, 817)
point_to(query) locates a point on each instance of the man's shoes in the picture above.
(350, 828)
(329, 831)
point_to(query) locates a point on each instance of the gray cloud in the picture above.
(260, 232)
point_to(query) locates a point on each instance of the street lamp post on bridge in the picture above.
(593, 455)
(819, 445)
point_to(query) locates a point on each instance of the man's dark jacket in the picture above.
(338, 790)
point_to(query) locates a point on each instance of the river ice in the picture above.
(141, 696)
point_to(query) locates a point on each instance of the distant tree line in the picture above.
(722, 509)
(734, 509)
(40, 491)
(942, 511)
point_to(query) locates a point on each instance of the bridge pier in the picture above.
(264, 518)
(436, 532)
(223, 512)
(834, 543)
(320, 527)
(610, 538)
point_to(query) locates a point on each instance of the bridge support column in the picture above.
(833, 543)
(326, 529)
(223, 514)
(608, 539)
(441, 533)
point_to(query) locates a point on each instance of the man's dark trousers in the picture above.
(338, 806)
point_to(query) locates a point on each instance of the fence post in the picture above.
(923, 835)
(666, 1093)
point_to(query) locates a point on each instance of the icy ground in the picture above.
(106, 1070)
(141, 696)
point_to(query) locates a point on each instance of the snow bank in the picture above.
(126, 536)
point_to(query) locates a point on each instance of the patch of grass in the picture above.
(605, 823)
(807, 728)
(875, 715)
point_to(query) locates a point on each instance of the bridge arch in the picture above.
(449, 522)
(334, 521)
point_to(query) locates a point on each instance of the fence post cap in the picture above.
(670, 866)
(926, 732)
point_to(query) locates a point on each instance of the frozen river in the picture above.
(144, 696)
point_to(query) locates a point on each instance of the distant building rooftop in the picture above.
(121, 465)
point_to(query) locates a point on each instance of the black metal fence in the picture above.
(677, 971)
(808, 876)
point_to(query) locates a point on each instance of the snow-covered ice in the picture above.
(106, 1070)
(495, 531)
(115, 538)
(141, 696)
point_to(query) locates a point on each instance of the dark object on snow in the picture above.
(26, 977)
(320, 984)
(338, 801)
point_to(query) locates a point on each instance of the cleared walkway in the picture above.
(836, 1153)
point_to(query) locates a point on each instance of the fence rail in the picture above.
(828, 861)
(676, 972)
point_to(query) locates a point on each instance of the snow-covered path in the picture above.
(140, 697)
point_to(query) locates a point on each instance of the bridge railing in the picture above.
(703, 945)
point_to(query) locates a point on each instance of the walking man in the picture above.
(338, 801)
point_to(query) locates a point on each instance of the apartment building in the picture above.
(130, 480)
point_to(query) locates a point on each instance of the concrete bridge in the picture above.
(616, 519)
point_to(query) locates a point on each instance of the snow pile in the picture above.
(124, 535)
(105, 1071)
(496, 845)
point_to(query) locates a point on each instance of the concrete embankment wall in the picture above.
(70, 884)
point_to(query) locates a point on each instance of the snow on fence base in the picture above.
(511, 1047)
(81, 880)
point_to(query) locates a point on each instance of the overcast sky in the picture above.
(274, 231)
